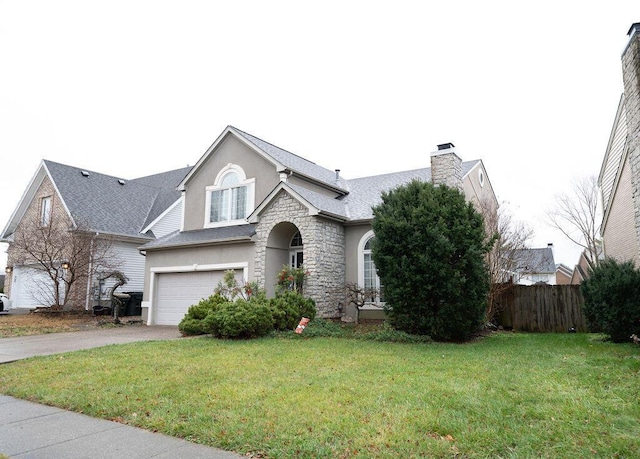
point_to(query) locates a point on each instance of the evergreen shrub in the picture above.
(612, 299)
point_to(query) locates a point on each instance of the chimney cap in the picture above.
(445, 146)
(635, 26)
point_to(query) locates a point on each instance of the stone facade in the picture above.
(324, 251)
(631, 78)
(446, 168)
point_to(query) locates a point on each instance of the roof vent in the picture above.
(84, 173)
(337, 174)
(121, 182)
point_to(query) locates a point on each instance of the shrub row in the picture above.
(246, 318)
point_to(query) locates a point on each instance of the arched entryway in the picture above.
(285, 247)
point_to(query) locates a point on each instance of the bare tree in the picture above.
(359, 296)
(504, 259)
(68, 256)
(577, 216)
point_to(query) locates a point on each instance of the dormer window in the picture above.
(45, 211)
(230, 200)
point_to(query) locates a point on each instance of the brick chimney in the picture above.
(631, 79)
(446, 166)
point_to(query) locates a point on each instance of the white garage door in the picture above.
(31, 288)
(177, 291)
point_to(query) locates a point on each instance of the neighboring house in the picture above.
(581, 270)
(252, 207)
(619, 178)
(563, 274)
(534, 266)
(129, 212)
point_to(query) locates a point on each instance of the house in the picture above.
(580, 270)
(252, 207)
(619, 178)
(129, 213)
(563, 274)
(534, 266)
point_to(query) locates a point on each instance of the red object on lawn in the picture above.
(303, 323)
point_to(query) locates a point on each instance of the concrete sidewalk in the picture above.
(30, 430)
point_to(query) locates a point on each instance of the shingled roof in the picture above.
(114, 205)
(531, 261)
(293, 162)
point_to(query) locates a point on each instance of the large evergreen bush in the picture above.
(429, 250)
(612, 299)
(288, 307)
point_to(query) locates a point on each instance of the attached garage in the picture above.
(176, 291)
(31, 288)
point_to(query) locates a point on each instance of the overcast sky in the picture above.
(132, 88)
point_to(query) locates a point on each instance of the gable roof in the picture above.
(106, 204)
(283, 161)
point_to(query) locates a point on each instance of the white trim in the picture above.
(244, 182)
(216, 143)
(162, 215)
(154, 272)
(363, 241)
(254, 217)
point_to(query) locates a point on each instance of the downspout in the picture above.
(89, 277)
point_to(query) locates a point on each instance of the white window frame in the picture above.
(361, 253)
(249, 184)
(295, 251)
(45, 211)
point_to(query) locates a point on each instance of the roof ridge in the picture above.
(84, 169)
(273, 145)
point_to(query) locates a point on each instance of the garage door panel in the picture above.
(175, 292)
(31, 288)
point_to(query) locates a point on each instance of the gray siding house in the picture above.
(252, 207)
(129, 213)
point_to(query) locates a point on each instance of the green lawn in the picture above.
(507, 395)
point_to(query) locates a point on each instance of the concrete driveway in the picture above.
(22, 347)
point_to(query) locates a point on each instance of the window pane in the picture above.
(45, 216)
(216, 198)
(224, 205)
(229, 180)
(219, 206)
(239, 201)
(296, 240)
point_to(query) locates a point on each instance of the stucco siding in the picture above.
(477, 187)
(229, 151)
(618, 233)
(353, 236)
(195, 256)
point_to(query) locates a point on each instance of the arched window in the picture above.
(367, 275)
(296, 254)
(230, 200)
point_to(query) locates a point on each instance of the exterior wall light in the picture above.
(8, 269)
(65, 265)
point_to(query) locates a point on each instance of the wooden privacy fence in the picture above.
(542, 308)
